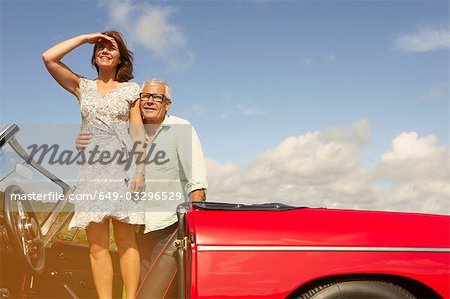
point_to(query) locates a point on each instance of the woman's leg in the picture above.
(125, 236)
(102, 269)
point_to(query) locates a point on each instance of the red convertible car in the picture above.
(224, 250)
(277, 251)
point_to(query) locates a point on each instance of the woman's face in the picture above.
(107, 55)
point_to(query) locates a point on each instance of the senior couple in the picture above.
(117, 115)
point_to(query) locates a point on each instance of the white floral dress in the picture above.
(103, 182)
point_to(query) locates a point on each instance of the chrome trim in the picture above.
(25, 156)
(60, 225)
(320, 248)
(57, 209)
(7, 133)
(182, 209)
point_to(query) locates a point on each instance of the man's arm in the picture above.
(192, 160)
(198, 195)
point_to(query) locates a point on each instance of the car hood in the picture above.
(319, 227)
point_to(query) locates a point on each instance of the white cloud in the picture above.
(244, 110)
(241, 102)
(224, 115)
(414, 160)
(408, 146)
(424, 40)
(250, 111)
(308, 61)
(435, 93)
(195, 109)
(151, 27)
(211, 32)
(120, 11)
(324, 169)
(358, 133)
(330, 56)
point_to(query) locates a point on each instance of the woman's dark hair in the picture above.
(124, 70)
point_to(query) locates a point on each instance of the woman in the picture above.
(108, 105)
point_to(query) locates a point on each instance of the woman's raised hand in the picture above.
(94, 38)
(61, 72)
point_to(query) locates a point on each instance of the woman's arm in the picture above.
(59, 71)
(137, 133)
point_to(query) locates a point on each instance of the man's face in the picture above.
(153, 112)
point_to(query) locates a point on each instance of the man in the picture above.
(175, 172)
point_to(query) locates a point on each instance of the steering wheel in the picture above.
(23, 229)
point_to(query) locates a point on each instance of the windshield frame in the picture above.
(7, 136)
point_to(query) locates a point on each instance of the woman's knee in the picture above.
(125, 236)
(98, 238)
(125, 241)
(98, 250)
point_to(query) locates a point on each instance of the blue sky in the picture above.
(250, 74)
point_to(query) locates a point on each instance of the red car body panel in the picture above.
(254, 273)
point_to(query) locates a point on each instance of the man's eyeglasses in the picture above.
(157, 98)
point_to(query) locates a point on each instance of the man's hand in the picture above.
(198, 195)
(84, 138)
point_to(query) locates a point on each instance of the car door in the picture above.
(68, 271)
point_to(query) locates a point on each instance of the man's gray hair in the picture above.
(159, 81)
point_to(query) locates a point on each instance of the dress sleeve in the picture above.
(135, 89)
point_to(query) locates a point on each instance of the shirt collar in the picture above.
(167, 122)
